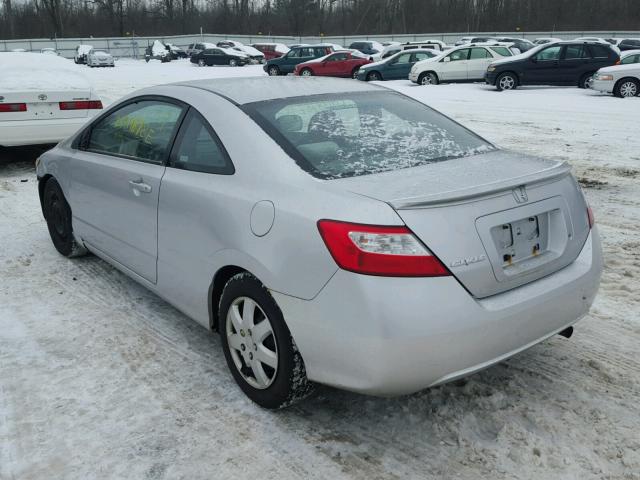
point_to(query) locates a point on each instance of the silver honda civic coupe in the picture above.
(332, 231)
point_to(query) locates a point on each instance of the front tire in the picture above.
(428, 78)
(202, 63)
(258, 347)
(273, 71)
(57, 213)
(507, 81)
(374, 77)
(306, 72)
(626, 88)
(233, 62)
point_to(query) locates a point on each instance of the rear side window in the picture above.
(346, 135)
(421, 56)
(142, 130)
(575, 52)
(478, 53)
(404, 58)
(503, 51)
(600, 51)
(197, 148)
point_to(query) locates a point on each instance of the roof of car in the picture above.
(258, 89)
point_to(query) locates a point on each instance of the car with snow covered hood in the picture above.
(43, 99)
(361, 239)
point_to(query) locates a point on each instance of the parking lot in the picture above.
(101, 379)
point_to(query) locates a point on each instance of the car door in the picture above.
(479, 60)
(116, 176)
(397, 67)
(542, 68)
(454, 65)
(335, 64)
(195, 212)
(574, 63)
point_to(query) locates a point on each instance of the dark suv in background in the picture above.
(629, 44)
(287, 63)
(560, 63)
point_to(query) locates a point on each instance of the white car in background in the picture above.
(81, 53)
(100, 58)
(466, 63)
(43, 99)
(255, 55)
(545, 40)
(621, 80)
(464, 41)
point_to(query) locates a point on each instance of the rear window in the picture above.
(346, 135)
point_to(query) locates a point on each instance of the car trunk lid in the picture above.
(44, 105)
(497, 220)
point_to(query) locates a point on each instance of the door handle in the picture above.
(140, 186)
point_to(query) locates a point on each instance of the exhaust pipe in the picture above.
(567, 332)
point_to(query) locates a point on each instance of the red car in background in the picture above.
(271, 50)
(337, 64)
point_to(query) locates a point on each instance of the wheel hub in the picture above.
(252, 342)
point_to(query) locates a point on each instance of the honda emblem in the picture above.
(520, 194)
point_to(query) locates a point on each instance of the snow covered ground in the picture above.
(101, 379)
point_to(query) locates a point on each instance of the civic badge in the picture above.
(42, 97)
(520, 194)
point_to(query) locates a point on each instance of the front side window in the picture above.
(337, 57)
(142, 130)
(630, 59)
(198, 149)
(459, 55)
(405, 58)
(345, 135)
(549, 54)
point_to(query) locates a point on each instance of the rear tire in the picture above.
(244, 334)
(57, 213)
(354, 73)
(627, 88)
(507, 81)
(584, 80)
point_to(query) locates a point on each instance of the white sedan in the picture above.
(43, 99)
(460, 64)
(621, 80)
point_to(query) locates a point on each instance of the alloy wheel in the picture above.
(507, 82)
(429, 79)
(201, 63)
(628, 89)
(273, 71)
(233, 62)
(252, 343)
(306, 72)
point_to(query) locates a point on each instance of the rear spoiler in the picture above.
(551, 174)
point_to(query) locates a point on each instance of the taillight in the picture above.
(13, 107)
(81, 105)
(379, 250)
(592, 220)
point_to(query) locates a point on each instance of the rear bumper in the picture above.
(34, 132)
(392, 336)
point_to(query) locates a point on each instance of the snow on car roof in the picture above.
(34, 71)
(258, 89)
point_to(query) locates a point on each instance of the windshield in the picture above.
(346, 135)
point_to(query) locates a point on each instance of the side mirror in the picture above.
(446, 59)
